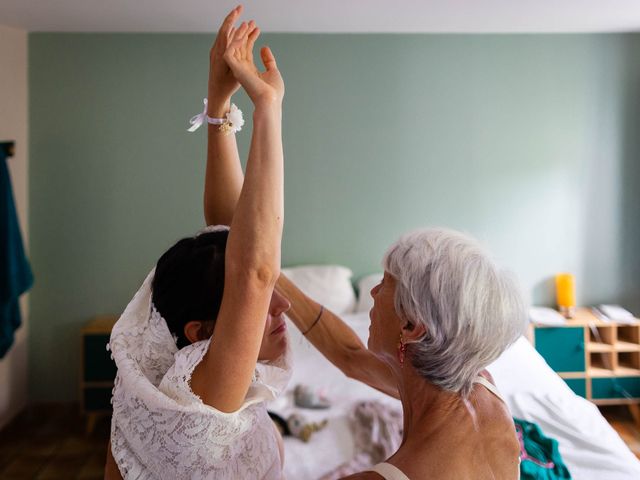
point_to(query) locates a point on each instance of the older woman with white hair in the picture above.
(442, 312)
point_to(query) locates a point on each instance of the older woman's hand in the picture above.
(264, 88)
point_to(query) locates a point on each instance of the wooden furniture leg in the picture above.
(91, 422)
(634, 409)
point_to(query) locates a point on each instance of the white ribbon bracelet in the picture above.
(232, 122)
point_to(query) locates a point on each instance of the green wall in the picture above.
(526, 141)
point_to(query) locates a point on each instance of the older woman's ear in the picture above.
(413, 332)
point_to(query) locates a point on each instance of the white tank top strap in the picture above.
(389, 472)
(489, 386)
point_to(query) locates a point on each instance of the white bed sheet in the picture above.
(591, 449)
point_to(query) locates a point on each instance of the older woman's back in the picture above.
(474, 439)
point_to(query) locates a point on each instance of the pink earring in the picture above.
(402, 348)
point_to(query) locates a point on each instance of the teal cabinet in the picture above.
(97, 369)
(98, 366)
(618, 387)
(578, 385)
(599, 360)
(97, 399)
(562, 348)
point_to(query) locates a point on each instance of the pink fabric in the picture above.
(377, 432)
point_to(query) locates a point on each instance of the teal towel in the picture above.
(539, 455)
(15, 272)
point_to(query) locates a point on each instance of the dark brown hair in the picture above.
(189, 282)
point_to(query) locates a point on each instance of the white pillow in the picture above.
(329, 285)
(365, 302)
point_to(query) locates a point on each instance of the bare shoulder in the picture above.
(363, 476)
(485, 373)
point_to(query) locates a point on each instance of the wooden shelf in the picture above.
(629, 333)
(598, 372)
(616, 401)
(99, 325)
(620, 346)
(599, 360)
(602, 334)
(605, 360)
(585, 317)
(599, 347)
(627, 372)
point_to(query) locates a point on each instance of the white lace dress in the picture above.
(161, 430)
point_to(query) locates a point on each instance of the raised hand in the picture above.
(262, 87)
(222, 82)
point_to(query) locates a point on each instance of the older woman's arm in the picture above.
(336, 340)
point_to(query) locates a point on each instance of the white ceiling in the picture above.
(325, 16)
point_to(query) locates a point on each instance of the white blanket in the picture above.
(591, 449)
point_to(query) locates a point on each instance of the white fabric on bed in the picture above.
(589, 446)
(334, 444)
(591, 449)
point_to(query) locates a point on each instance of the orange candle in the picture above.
(566, 292)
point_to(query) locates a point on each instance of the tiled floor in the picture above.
(49, 442)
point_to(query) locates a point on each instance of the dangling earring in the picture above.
(402, 348)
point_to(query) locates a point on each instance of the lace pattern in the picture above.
(161, 429)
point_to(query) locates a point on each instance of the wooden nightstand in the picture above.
(97, 370)
(599, 360)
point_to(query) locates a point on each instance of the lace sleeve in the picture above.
(176, 383)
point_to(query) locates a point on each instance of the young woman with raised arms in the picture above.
(203, 343)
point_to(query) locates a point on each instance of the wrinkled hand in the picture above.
(262, 87)
(222, 82)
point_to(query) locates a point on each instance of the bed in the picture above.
(590, 447)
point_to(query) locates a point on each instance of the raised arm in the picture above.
(223, 183)
(252, 260)
(223, 178)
